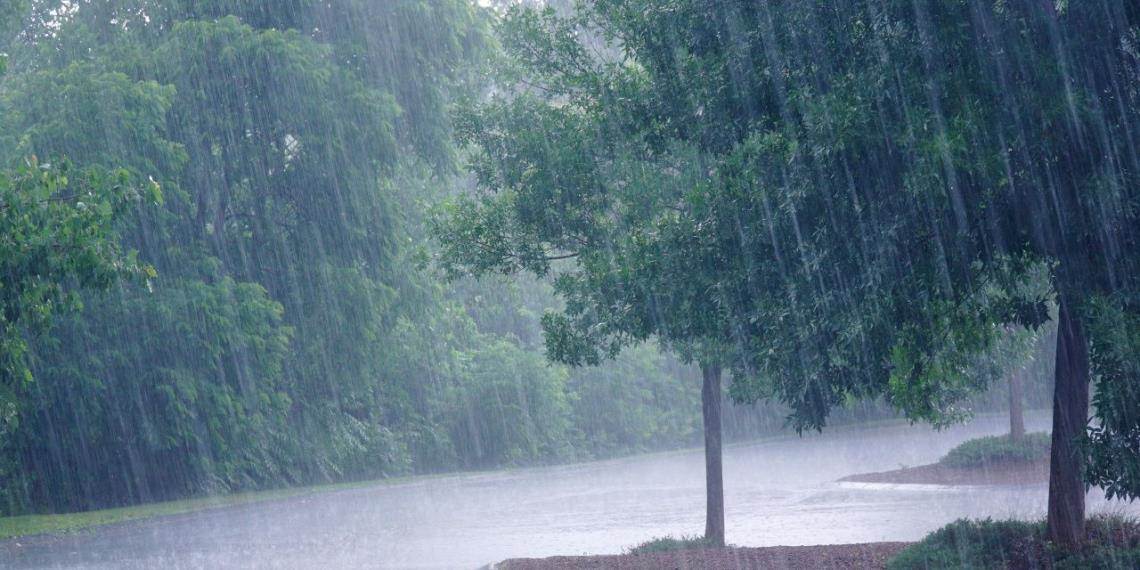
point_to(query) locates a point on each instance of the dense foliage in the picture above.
(1114, 441)
(55, 238)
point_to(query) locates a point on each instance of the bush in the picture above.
(668, 543)
(1112, 543)
(997, 450)
(974, 544)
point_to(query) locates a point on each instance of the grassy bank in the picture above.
(669, 544)
(998, 450)
(27, 525)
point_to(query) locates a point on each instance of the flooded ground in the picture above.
(778, 492)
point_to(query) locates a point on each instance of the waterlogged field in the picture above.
(778, 492)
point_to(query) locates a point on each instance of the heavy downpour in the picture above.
(607, 284)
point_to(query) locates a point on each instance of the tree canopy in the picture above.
(853, 199)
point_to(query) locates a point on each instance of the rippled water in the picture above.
(780, 491)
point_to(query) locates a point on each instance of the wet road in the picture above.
(778, 492)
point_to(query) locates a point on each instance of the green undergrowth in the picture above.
(997, 450)
(1113, 542)
(668, 543)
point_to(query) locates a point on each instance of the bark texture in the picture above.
(1016, 410)
(714, 474)
(1070, 418)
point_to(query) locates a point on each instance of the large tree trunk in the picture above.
(1016, 410)
(714, 480)
(1070, 419)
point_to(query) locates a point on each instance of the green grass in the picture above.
(668, 543)
(997, 450)
(1113, 543)
(27, 525)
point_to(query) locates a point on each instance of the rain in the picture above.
(527, 284)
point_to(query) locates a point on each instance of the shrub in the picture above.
(668, 543)
(1112, 543)
(996, 450)
(974, 544)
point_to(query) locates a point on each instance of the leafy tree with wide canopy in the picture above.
(847, 199)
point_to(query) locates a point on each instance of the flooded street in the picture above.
(778, 492)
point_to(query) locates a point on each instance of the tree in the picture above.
(1017, 355)
(10, 15)
(56, 237)
(954, 179)
(210, 414)
(863, 216)
(563, 192)
(1010, 175)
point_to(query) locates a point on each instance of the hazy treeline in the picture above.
(291, 334)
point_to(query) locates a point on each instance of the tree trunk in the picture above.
(714, 478)
(1016, 410)
(1070, 418)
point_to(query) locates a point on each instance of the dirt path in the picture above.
(840, 556)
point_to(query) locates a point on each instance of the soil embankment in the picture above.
(837, 556)
(1025, 473)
